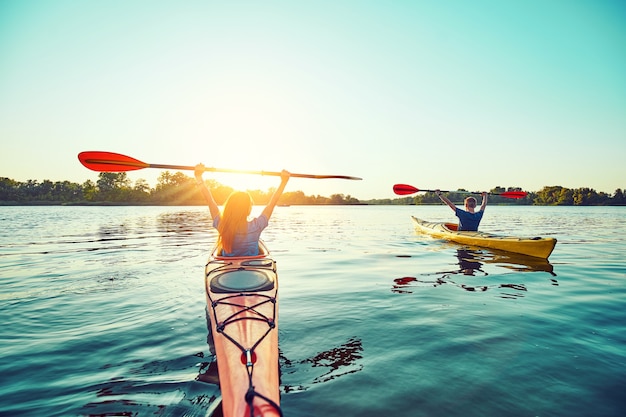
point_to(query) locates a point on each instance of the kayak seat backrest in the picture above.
(263, 252)
(243, 280)
(452, 226)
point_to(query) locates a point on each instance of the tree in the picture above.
(554, 196)
(90, 191)
(259, 197)
(66, 191)
(9, 190)
(293, 198)
(178, 189)
(619, 198)
(113, 186)
(589, 197)
(29, 190)
(45, 191)
(141, 191)
(340, 199)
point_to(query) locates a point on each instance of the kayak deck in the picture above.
(535, 246)
(242, 305)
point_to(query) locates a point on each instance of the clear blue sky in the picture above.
(437, 94)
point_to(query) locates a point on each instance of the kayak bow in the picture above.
(535, 246)
(242, 302)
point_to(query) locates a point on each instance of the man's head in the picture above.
(470, 202)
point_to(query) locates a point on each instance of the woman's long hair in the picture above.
(234, 219)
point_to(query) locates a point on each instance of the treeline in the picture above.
(117, 188)
(180, 189)
(548, 196)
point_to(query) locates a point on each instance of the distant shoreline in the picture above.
(152, 204)
(139, 204)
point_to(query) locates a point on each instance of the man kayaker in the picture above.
(239, 236)
(469, 219)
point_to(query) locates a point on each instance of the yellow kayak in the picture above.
(534, 246)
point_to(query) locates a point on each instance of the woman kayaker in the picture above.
(469, 219)
(239, 236)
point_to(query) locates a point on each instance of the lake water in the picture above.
(103, 313)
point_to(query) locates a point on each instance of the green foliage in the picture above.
(560, 196)
(116, 188)
(179, 189)
(113, 186)
(176, 189)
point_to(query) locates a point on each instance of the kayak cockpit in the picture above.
(254, 275)
(229, 274)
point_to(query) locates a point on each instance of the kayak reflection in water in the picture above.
(469, 219)
(471, 263)
(336, 362)
(239, 236)
(468, 262)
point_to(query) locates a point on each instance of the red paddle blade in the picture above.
(513, 194)
(404, 189)
(109, 162)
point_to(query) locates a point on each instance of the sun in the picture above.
(244, 182)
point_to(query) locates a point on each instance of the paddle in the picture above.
(114, 162)
(405, 189)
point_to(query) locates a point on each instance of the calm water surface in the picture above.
(103, 313)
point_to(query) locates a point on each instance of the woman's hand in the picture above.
(198, 172)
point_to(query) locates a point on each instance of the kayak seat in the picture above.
(243, 280)
(263, 252)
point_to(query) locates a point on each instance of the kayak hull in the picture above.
(242, 304)
(536, 246)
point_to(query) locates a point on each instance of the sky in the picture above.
(436, 94)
